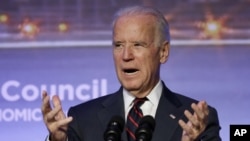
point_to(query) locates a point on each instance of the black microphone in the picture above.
(146, 128)
(114, 129)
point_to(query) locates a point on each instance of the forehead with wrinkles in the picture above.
(135, 27)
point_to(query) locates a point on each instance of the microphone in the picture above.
(114, 129)
(146, 128)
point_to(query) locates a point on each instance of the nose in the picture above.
(128, 53)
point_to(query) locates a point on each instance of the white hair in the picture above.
(162, 26)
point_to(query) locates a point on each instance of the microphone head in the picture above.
(114, 129)
(148, 120)
(145, 130)
(117, 121)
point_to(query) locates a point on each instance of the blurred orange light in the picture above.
(4, 18)
(213, 29)
(212, 26)
(29, 28)
(63, 27)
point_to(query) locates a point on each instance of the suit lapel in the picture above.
(167, 115)
(112, 106)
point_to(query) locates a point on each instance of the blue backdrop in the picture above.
(218, 74)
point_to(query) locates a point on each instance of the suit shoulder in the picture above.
(185, 100)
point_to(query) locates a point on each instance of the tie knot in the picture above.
(139, 101)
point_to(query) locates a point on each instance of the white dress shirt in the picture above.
(148, 107)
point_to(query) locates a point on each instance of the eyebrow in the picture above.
(133, 42)
(140, 42)
(116, 42)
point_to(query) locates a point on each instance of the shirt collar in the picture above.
(153, 97)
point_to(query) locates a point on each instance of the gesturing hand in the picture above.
(54, 119)
(197, 121)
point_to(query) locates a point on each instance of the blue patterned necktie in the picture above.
(133, 118)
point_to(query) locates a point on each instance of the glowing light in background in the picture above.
(4, 18)
(63, 27)
(29, 28)
(213, 28)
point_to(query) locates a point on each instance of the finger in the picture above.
(57, 103)
(186, 128)
(64, 122)
(203, 105)
(45, 103)
(60, 125)
(54, 114)
(199, 113)
(44, 94)
(192, 119)
(201, 110)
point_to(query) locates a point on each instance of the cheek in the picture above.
(152, 63)
(116, 63)
(115, 57)
(147, 65)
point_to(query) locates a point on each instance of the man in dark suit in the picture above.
(140, 45)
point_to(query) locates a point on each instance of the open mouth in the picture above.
(130, 71)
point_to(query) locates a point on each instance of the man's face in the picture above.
(137, 59)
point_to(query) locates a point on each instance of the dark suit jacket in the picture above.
(90, 119)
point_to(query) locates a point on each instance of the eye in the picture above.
(138, 45)
(117, 45)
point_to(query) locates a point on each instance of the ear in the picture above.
(164, 52)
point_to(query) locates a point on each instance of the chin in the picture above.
(130, 86)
